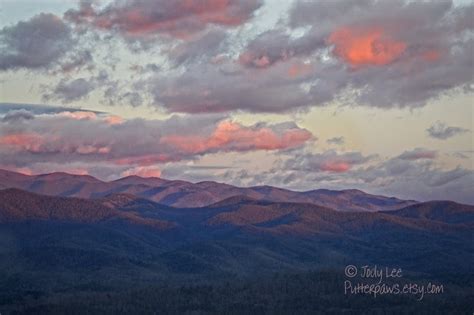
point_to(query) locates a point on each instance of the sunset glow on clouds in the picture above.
(82, 136)
(239, 138)
(177, 18)
(365, 46)
(298, 94)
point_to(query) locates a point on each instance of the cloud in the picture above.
(206, 45)
(414, 178)
(16, 116)
(328, 161)
(77, 61)
(374, 53)
(76, 89)
(393, 66)
(362, 46)
(435, 179)
(78, 115)
(441, 131)
(221, 88)
(94, 139)
(35, 109)
(73, 90)
(418, 154)
(231, 136)
(355, 48)
(36, 43)
(30, 142)
(114, 120)
(418, 179)
(336, 140)
(466, 154)
(181, 18)
(272, 46)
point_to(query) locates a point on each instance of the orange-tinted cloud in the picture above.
(229, 135)
(360, 47)
(24, 141)
(335, 166)
(113, 120)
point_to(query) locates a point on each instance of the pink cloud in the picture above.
(365, 46)
(229, 135)
(335, 166)
(36, 143)
(79, 115)
(23, 141)
(138, 143)
(179, 18)
(91, 149)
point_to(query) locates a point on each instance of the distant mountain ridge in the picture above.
(238, 212)
(178, 193)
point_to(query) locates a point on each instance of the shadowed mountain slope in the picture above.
(440, 211)
(18, 205)
(305, 218)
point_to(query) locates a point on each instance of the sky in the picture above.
(372, 95)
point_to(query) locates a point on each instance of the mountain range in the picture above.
(178, 193)
(65, 237)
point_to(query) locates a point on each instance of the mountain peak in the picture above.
(64, 175)
(136, 180)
